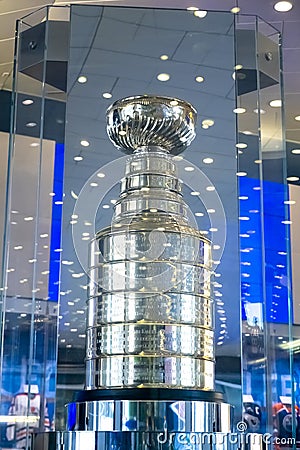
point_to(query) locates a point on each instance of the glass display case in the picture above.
(64, 174)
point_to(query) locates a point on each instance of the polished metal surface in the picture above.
(144, 121)
(150, 310)
(150, 416)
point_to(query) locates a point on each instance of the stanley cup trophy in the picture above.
(150, 331)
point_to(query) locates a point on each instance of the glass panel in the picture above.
(32, 240)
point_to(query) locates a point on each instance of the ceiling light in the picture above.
(239, 110)
(289, 202)
(238, 67)
(28, 219)
(241, 145)
(44, 235)
(67, 263)
(84, 143)
(163, 77)
(101, 175)
(105, 206)
(27, 102)
(286, 222)
(210, 188)
(94, 184)
(18, 247)
(211, 211)
(207, 160)
(82, 79)
(244, 218)
(292, 178)
(31, 124)
(258, 161)
(199, 79)
(296, 151)
(243, 197)
(189, 169)
(200, 14)
(107, 95)
(241, 174)
(195, 193)
(164, 57)
(275, 103)
(283, 6)
(199, 214)
(262, 111)
(78, 158)
(73, 222)
(297, 118)
(235, 10)
(208, 122)
(85, 234)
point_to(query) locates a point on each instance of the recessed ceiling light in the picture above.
(27, 102)
(262, 111)
(101, 175)
(189, 169)
(164, 57)
(199, 214)
(275, 103)
(84, 143)
(289, 202)
(31, 124)
(107, 95)
(82, 79)
(296, 151)
(283, 6)
(239, 110)
(105, 206)
(241, 174)
(241, 145)
(207, 160)
(163, 77)
(78, 158)
(199, 79)
(207, 123)
(200, 14)
(210, 188)
(93, 184)
(195, 193)
(292, 178)
(235, 10)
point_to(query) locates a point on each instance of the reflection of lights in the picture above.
(100, 175)
(44, 235)
(296, 151)
(189, 169)
(283, 6)
(258, 161)
(243, 197)
(31, 124)
(241, 174)
(211, 211)
(210, 188)
(93, 184)
(82, 79)
(261, 111)
(84, 143)
(199, 79)
(241, 145)
(244, 218)
(18, 247)
(239, 110)
(78, 158)
(195, 193)
(207, 123)
(74, 195)
(286, 222)
(235, 10)
(105, 206)
(107, 95)
(199, 214)
(28, 219)
(163, 77)
(164, 57)
(67, 263)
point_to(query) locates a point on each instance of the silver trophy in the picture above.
(150, 335)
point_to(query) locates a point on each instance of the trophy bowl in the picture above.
(151, 121)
